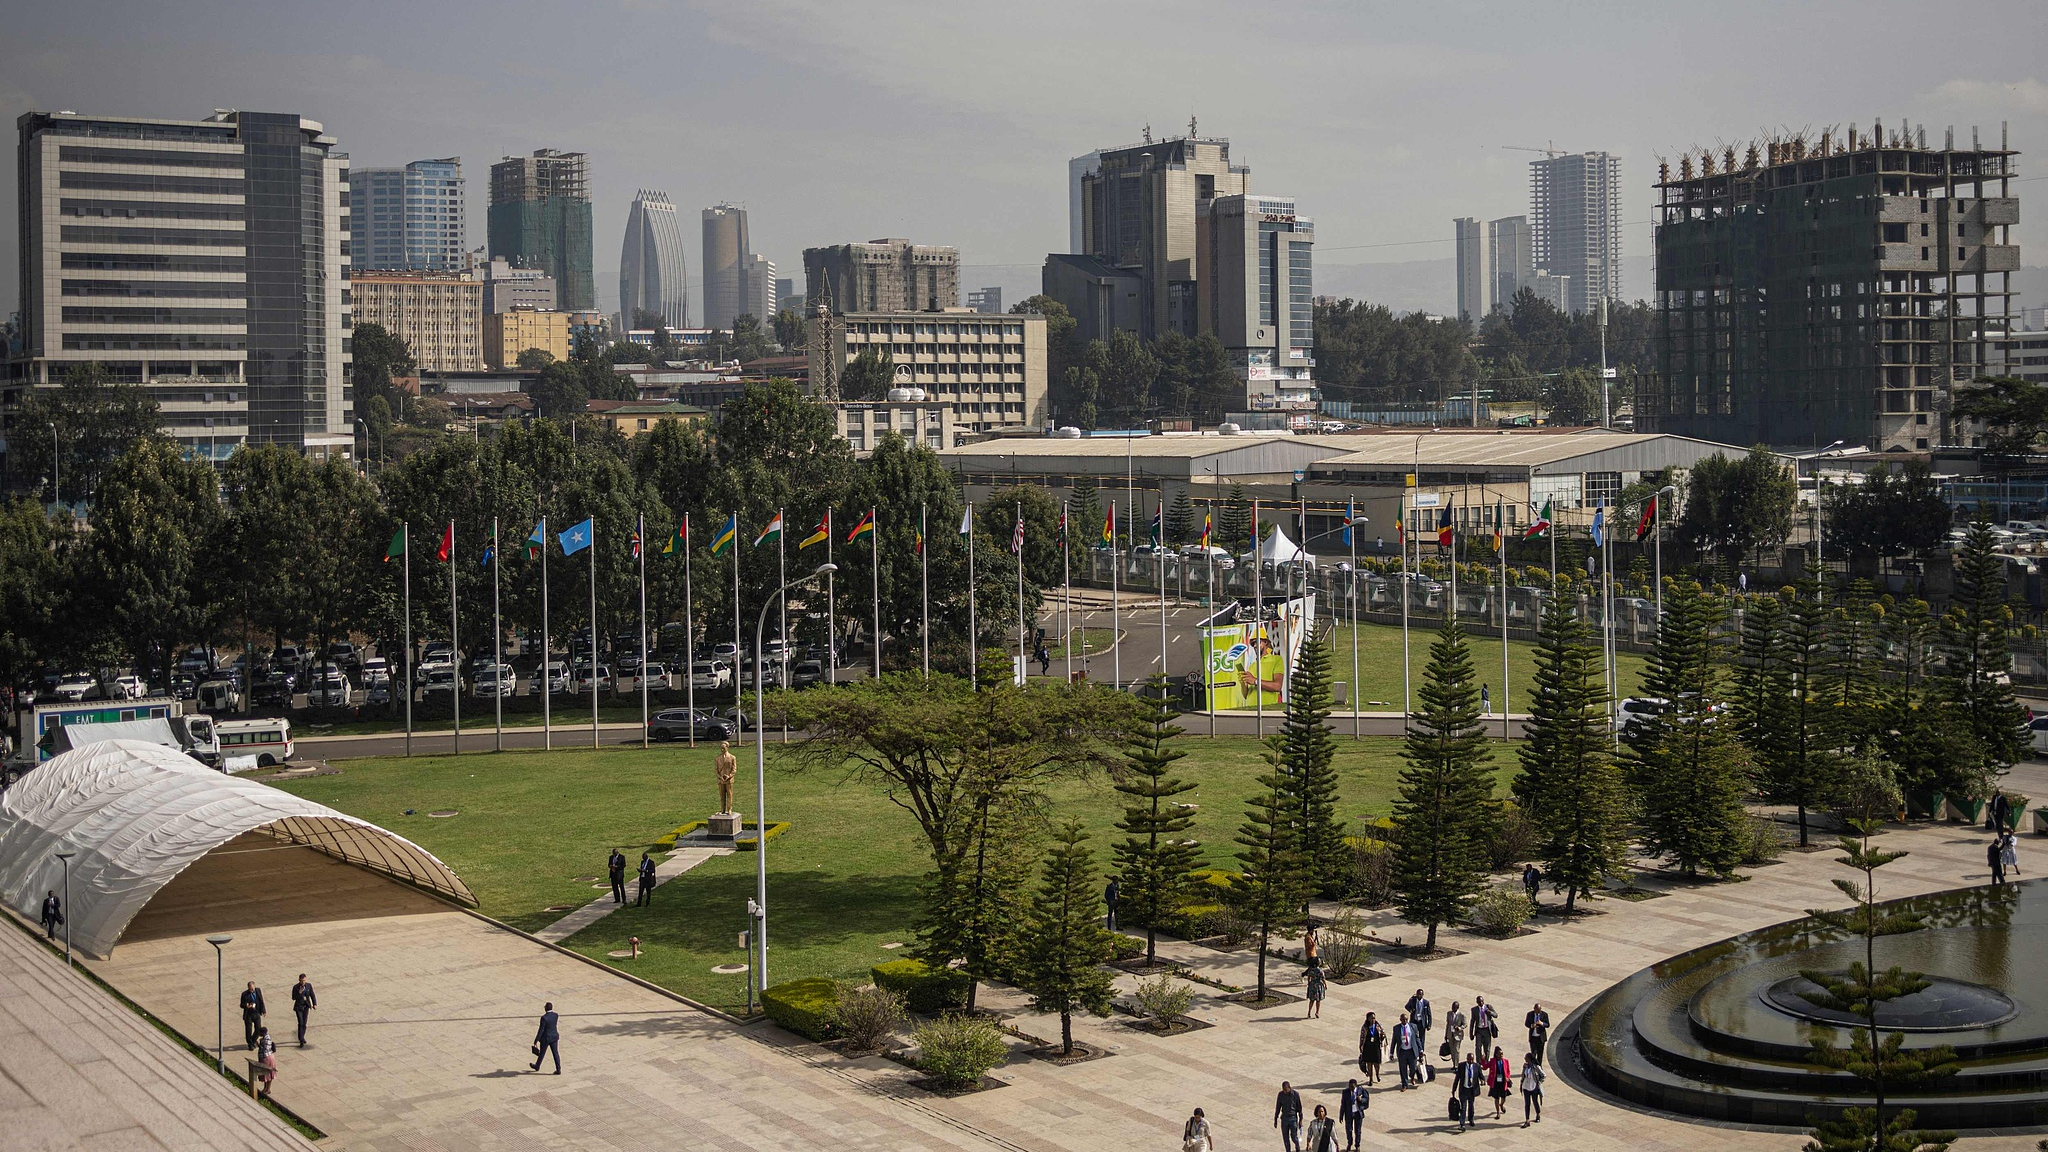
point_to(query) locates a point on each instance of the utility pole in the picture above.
(1606, 416)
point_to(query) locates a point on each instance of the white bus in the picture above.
(246, 744)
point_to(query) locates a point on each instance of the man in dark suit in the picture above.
(303, 1002)
(252, 1013)
(646, 881)
(1110, 893)
(1538, 1022)
(548, 1039)
(53, 915)
(1420, 1015)
(617, 867)
(1407, 1046)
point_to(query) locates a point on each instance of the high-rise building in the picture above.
(540, 218)
(728, 253)
(1829, 288)
(1575, 223)
(439, 315)
(507, 334)
(891, 275)
(408, 218)
(758, 295)
(1493, 263)
(1139, 207)
(990, 370)
(786, 295)
(986, 299)
(1077, 225)
(507, 287)
(1257, 294)
(206, 259)
(652, 272)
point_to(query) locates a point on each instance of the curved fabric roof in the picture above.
(136, 814)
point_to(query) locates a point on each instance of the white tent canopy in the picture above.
(1278, 549)
(136, 814)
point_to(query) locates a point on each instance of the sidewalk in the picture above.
(679, 862)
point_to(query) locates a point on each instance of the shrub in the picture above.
(1372, 871)
(1344, 950)
(1125, 947)
(1234, 928)
(958, 1050)
(1165, 999)
(1500, 911)
(926, 990)
(803, 1006)
(866, 1015)
(1513, 839)
(1762, 842)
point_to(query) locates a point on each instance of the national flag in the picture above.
(967, 520)
(490, 548)
(636, 544)
(447, 548)
(1109, 527)
(772, 532)
(1063, 527)
(397, 546)
(727, 535)
(577, 538)
(1540, 526)
(821, 534)
(1445, 534)
(1648, 523)
(1600, 526)
(1017, 537)
(919, 532)
(679, 541)
(1500, 524)
(866, 527)
(538, 540)
(1350, 518)
(1401, 527)
(1208, 525)
(1156, 514)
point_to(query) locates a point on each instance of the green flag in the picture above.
(397, 547)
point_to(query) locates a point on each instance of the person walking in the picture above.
(2009, 853)
(1310, 947)
(1110, 891)
(1351, 1106)
(548, 1039)
(1500, 1082)
(1465, 1087)
(1372, 1047)
(252, 1013)
(53, 915)
(1420, 1015)
(1454, 1034)
(1532, 881)
(1999, 817)
(616, 866)
(266, 1061)
(1994, 855)
(1194, 1135)
(1486, 700)
(1404, 1051)
(1485, 1026)
(1322, 1131)
(303, 1003)
(646, 881)
(1533, 1076)
(1538, 1024)
(1317, 989)
(1287, 1117)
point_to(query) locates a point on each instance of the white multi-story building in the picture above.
(207, 259)
(652, 270)
(989, 370)
(1575, 224)
(1493, 264)
(507, 287)
(439, 315)
(760, 290)
(1257, 294)
(408, 218)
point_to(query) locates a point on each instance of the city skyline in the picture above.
(955, 132)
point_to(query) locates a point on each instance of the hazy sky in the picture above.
(952, 123)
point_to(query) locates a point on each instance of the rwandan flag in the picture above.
(821, 534)
(727, 535)
(866, 527)
(772, 532)
(538, 540)
(1350, 518)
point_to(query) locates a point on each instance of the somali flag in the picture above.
(577, 538)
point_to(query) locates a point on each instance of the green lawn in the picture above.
(842, 882)
(1379, 662)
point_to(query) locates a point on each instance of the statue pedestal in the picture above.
(723, 825)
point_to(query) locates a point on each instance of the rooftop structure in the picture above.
(540, 218)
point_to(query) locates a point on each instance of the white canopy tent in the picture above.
(1278, 549)
(136, 814)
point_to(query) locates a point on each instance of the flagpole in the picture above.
(1116, 605)
(689, 635)
(593, 633)
(640, 534)
(1607, 617)
(1351, 530)
(1500, 533)
(1408, 584)
(1159, 560)
(782, 605)
(973, 639)
(1657, 505)
(455, 697)
(739, 711)
(1259, 623)
(547, 679)
(405, 542)
(1067, 589)
(1209, 633)
(497, 642)
(831, 607)
(1023, 669)
(924, 570)
(875, 584)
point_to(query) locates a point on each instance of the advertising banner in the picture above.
(1247, 660)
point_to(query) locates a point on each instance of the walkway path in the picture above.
(678, 862)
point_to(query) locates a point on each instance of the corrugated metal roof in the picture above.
(1151, 447)
(1591, 451)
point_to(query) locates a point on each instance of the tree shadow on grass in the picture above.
(704, 913)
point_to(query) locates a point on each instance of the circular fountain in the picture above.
(1726, 1032)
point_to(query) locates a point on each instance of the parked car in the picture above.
(726, 652)
(494, 680)
(275, 691)
(587, 679)
(75, 686)
(685, 724)
(740, 719)
(376, 670)
(552, 678)
(329, 688)
(183, 685)
(378, 695)
(439, 684)
(807, 674)
(656, 676)
(709, 676)
(219, 694)
(2038, 730)
(1638, 710)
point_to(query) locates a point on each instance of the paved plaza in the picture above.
(421, 1041)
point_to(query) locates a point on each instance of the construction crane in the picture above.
(1553, 151)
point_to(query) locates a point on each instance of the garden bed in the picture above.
(1081, 1054)
(1635, 894)
(1181, 1027)
(1415, 952)
(940, 1088)
(1358, 977)
(1249, 999)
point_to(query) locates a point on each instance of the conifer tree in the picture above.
(1569, 783)
(1154, 864)
(1852, 681)
(1309, 751)
(1181, 525)
(1974, 674)
(1061, 963)
(1797, 754)
(1686, 769)
(1267, 891)
(1084, 518)
(1758, 678)
(1234, 521)
(1443, 813)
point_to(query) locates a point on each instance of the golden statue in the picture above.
(726, 767)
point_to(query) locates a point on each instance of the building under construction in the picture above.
(1833, 289)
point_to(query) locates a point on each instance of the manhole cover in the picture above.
(728, 969)
(443, 813)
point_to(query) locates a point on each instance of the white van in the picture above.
(246, 744)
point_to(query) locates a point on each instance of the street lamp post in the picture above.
(1819, 560)
(56, 467)
(220, 1003)
(761, 779)
(66, 858)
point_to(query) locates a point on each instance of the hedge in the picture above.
(925, 989)
(802, 1006)
(744, 843)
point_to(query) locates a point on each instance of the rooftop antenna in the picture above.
(1191, 125)
(1148, 133)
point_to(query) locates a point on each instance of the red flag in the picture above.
(447, 548)
(1649, 521)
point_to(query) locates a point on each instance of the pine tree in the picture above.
(1154, 864)
(1061, 963)
(1796, 750)
(1685, 767)
(1310, 756)
(1569, 784)
(1084, 518)
(1974, 675)
(1181, 526)
(1758, 678)
(1234, 521)
(1443, 814)
(1852, 680)
(974, 904)
(1267, 891)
